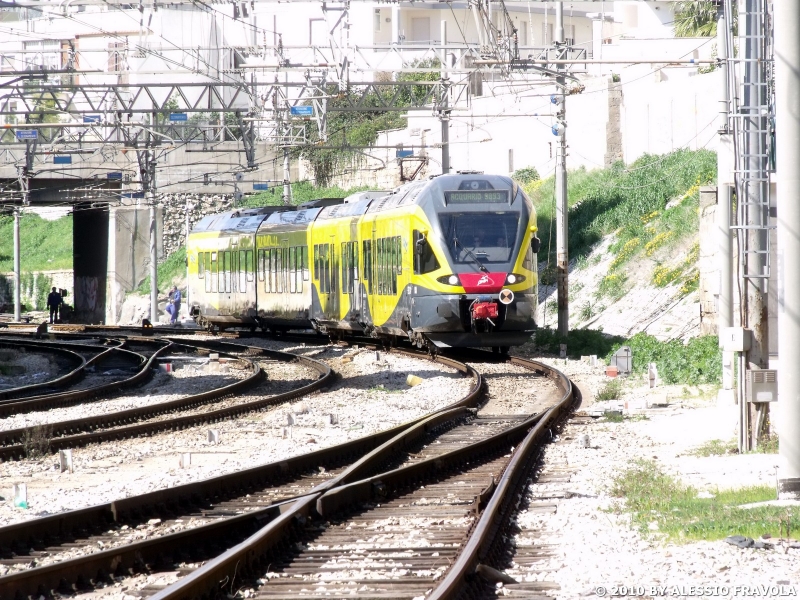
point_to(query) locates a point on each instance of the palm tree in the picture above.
(696, 18)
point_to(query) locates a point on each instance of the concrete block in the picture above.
(186, 460)
(413, 380)
(213, 436)
(291, 419)
(612, 370)
(65, 461)
(333, 419)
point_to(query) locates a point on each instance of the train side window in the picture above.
(399, 255)
(201, 265)
(228, 271)
(214, 272)
(367, 273)
(242, 270)
(354, 255)
(382, 266)
(424, 258)
(279, 270)
(304, 254)
(260, 265)
(345, 267)
(293, 270)
(273, 270)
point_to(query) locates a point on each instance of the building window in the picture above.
(377, 19)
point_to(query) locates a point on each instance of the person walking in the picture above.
(54, 300)
(175, 299)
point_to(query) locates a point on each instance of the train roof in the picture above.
(416, 192)
(351, 209)
(302, 217)
(321, 202)
(243, 220)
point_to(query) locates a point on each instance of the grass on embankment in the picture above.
(660, 503)
(173, 268)
(621, 198)
(44, 245)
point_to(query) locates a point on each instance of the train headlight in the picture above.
(514, 278)
(449, 280)
(511, 278)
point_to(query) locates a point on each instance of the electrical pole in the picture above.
(724, 180)
(287, 189)
(787, 90)
(149, 184)
(17, 274)
(444, 113)
(562, 252)
(23, 177)
(186, 245)
(754, 200)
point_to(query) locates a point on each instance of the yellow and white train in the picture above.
(446, 262)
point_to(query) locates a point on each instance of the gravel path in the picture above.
(371, 396)
(594, 546)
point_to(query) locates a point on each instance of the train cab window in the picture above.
(201, 265)
(214, 271)
(424, 258)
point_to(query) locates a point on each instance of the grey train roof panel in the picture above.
(242, 220)
(301, 217)
(351, 209)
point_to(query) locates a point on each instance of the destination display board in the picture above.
(476, 197)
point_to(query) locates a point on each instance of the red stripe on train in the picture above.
(482, 283)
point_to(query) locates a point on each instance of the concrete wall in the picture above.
(177, 206)
(128, 254)
(62, 279)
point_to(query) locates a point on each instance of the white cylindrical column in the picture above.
(787, 90)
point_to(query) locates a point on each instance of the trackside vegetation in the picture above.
(663, 506)
(44, 245)
(696, 362)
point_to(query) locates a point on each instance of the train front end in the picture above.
(482, 241)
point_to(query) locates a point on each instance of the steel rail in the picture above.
(243, 558)
(64, 380)
(497, 508)
(136, 414)
(72, 397)
(42, 580)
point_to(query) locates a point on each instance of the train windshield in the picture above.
(478, 238)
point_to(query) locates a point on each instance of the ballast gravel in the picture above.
(594, 548)
(371, 395)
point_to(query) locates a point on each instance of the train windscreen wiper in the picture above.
(471, 255)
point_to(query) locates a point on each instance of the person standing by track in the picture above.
(54, 301)
(175, 301)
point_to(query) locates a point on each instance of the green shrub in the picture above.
(698, 361)
(580, 342)
(612, 390)
(526, 175)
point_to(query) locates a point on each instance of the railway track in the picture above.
(148, 420)
(457, 455)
